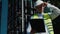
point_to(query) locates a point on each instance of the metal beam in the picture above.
(4, 16)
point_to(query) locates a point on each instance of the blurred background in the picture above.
(14, 24)
(14, 17)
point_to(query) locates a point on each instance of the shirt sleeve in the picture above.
(55, 11)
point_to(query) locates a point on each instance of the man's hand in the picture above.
(44, 4)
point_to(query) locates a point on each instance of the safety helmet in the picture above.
(38, 2)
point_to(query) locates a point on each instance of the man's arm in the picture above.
(55, 11)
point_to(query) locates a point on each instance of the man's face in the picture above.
(39, 7)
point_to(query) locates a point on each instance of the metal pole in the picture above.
(22, 15)
(4, 16)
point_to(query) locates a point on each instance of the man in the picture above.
(55, 10)
(40, 6)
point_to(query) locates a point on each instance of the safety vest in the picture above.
(36, 16)
(47, 21)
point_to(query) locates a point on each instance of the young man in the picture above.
(45, 7)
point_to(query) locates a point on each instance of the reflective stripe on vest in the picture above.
(36, 16)
(48, 23)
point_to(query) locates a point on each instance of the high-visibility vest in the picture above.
(36, 16)
(47, 21)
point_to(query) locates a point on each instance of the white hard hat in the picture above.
(38, 2)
